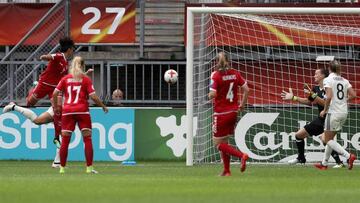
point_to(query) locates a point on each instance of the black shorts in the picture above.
(315, 127)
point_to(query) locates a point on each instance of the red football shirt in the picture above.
(76, 94)
(226, 84)
(55, 70)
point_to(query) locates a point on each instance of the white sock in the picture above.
(337, 147)
(57, 156)
(26, 112)
(327, 154)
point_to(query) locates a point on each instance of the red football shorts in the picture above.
(224, 124)
(68, 122)
(41, 90)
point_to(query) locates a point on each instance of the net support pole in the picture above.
(189, 87)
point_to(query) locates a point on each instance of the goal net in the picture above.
(274, 50)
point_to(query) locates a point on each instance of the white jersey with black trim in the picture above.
(339, 87)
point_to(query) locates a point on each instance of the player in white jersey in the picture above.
(338, 92)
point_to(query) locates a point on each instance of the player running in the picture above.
(76, 88)
(338, 92)
(316, 95)
(224, 89)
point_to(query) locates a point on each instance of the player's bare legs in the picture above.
(226, 150)
(44, 118)
(89, 152)
(31, 100)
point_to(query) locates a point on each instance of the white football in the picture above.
(171, 76)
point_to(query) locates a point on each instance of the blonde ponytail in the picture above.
(77, 68)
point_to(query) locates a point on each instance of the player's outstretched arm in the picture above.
(98, 102)
(286, 96)
(89, 71)
(46, 57)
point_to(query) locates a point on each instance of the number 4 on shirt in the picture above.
(230, 94)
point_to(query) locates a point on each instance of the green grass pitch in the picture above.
(36, 181)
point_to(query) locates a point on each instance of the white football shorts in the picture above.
(335, 121)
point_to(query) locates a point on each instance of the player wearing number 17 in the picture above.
(76, 88)
(224, 89)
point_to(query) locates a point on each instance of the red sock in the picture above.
(89, 153)
(57, 124)
(64, 149)
(227, 149)
(226, 161)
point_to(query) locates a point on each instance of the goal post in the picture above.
(189, 87)
(275, 49)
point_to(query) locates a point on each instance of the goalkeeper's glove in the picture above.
(309, 92)
(288, 95)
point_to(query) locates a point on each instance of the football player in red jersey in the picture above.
(224, 90)
(55, 70)
(49, 78)
(76, 88)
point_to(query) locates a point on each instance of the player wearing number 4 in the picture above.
(224, 89)
(315, 95)
(338, 92)
(76, 88)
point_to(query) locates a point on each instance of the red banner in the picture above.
(274, 30)
(18, 19)
(103, 21)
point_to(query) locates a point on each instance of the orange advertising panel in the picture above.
(103, 21)
(18, 19)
